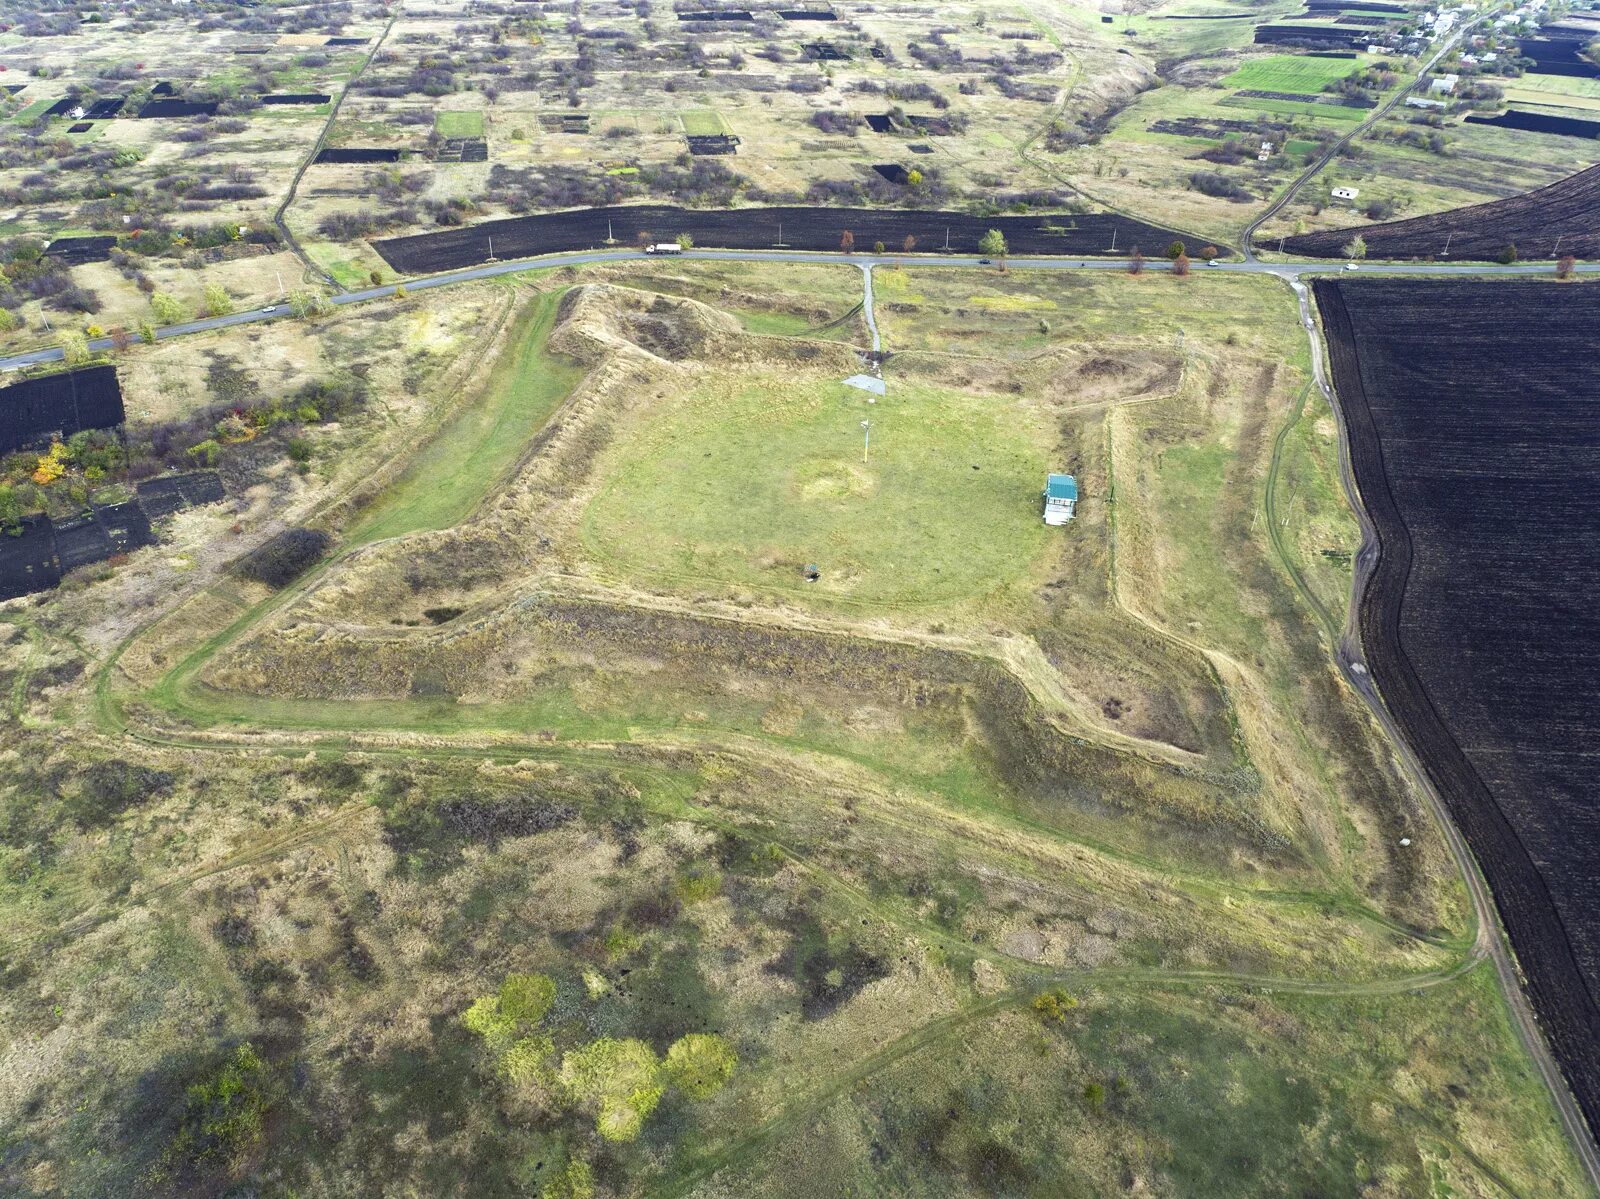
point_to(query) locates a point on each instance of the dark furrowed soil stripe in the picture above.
(1552, 977)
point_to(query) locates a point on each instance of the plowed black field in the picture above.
(757, 229)
(1568, 212)
(1473, 436)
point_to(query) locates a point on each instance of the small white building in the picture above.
(1421, 102)
(1346, 193)
(1444, 84)
(1060, 499)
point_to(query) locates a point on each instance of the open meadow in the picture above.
(520, 773)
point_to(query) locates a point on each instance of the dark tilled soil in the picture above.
(1472, 434)
(1568, 210)
(816, 229)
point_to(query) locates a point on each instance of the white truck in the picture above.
(664, 247)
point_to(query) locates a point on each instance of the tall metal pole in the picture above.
(1557, 250)
(1113, 239)
(866, 444)
(1447, 242)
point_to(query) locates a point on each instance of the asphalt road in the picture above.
(1283, 270)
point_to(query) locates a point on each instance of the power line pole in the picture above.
(866, 444)
(1447, 243)
(1113, 239)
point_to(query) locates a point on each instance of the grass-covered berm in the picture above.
(539, 827)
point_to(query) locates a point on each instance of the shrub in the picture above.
(284, 558)
(1052, 1006)
(699, 1064)
(169, 309)
(619, 1078)
(74, 348)
(109, 788)
(1211, 183)
(224, 1114)
(1508, 255)
(506, 1017)
(575, 1181)
(1175, 251)
(218, 302)
(206, 453)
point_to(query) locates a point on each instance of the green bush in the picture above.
(206, 453)
(699, 1064)
(618, 1077)
(224, 1114)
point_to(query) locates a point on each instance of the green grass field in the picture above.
(747, 482)
(703, 122)
(31, 112)
(1291, 73)
(458, 124)
(1292, 108)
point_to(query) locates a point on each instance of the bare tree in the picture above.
(1136, 262)
(847, 241)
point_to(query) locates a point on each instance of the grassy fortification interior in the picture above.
(543, 830)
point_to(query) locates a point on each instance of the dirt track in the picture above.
(1532, 855)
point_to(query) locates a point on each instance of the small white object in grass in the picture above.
(1405, 840)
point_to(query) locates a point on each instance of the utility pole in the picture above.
(281, 292)
(866, 444)
(1557, 250)
(610, 240)
(1281, 240)
(1447, 243)
(1113, 239)
(947, 237)
(780, 242)
(491, 257)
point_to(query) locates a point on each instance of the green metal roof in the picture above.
(1061, 487)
